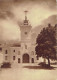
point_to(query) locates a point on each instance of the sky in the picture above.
(12, 14)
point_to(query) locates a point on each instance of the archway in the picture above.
(25, 58)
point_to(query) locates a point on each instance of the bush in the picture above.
(43, 64)
(6, 65)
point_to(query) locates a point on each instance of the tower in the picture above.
(25, 28)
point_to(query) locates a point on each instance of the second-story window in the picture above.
(6, 52)
(13, 57)
(13, 50)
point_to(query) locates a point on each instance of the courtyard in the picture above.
(26, 73)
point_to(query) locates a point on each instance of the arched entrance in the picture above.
(25, 58)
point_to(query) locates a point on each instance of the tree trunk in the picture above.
(48, 62)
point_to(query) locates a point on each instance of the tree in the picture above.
(46, 42)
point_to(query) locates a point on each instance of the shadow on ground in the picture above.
(54, 63)
(40, 67)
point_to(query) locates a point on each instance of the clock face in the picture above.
(25, 32)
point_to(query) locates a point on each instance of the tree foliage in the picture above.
(46, 43)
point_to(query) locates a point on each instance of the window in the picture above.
(18, 60)
(13, 57)
(6, 52)
(13, 50)
(5, 57)
(0, 49)
(32, 60)
(25, 46)
(32, 52)
(25, 32)
(18, 52)
(37, 57)
(25, 22)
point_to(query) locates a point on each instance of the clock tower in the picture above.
(27, 50)
(25, 28)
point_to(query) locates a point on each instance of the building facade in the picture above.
(23, 52)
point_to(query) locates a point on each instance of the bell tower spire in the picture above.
(26, 14)
(26, 20)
